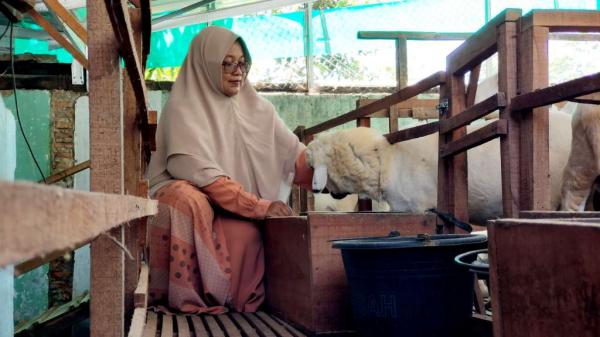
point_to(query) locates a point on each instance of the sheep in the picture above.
(583, 165)
(404, 174)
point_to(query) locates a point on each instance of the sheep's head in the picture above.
(346, 161)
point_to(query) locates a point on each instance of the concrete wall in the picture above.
(31, 289)
(8, 163)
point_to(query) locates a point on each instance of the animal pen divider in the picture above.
(521, 43)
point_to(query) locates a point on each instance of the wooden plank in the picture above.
(509, 145)
(134, 167)
(199, 329)
(42, 219)
(107, 259)
(259, 325)
(289, 327)
(127, 46)
(183, 329)
(213, 327)
(248, 330)
(473, 83)
(279, 329)
(473, 113)
(413, 108)
(412, 133)
(151, 324)
(230, 329)
(555, 285)
(563, 20)
(452, 172)
(31, 264)
(534, 157)
(557, 93)
(67, 173)
(138, 323)
(167, 326)
(424, 36)
(287, 268)
(480, 46)
(558, 215)
(140, 295)
(67, 18)
(475, 138)
(404, 94)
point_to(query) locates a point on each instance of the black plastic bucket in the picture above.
(410, 286)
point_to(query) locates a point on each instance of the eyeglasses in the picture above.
(230, 68)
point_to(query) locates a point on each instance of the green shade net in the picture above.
(334, 30)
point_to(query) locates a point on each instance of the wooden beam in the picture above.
(557, 93)
(68, 18)
(418, 108)
(123, 30)
(473, 113)
(138, 323)
(39, 220)
(473, 84)
(402, 95)
(452, 172)
(563, 20)
(423, 36)
(547, 269)
(31, 264)
(481, 45)
(401, 63)
(534, 157)
(412, 133)
(509, 145)
(140, 294)
(106, 153)
(558, 215)
(67, 173)
(475, 138)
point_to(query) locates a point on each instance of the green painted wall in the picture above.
(309, 110)
(31, 289)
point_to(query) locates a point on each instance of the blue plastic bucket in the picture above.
(410, 286)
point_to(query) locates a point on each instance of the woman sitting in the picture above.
(224, 161)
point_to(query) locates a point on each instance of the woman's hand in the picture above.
(278, 208)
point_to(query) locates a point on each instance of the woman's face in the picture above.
(234, 70)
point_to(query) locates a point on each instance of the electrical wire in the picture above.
(14, 82)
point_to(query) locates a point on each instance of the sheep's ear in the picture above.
(319, 179)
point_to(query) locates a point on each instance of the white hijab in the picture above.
(240, 137)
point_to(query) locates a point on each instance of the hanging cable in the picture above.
(14, 82)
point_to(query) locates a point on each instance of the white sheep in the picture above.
(404, 174)
(583, 165)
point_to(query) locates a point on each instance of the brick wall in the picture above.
(62, 108)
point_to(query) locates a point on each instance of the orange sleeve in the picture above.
(231, 196)
(304, 173)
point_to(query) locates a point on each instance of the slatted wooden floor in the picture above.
(258, 324)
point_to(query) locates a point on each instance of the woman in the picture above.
(224, 160)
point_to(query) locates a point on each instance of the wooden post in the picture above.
(364, 204)
(509, 145)
(133, 169)
(533, 74)
(452, 171)
(106, 149)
